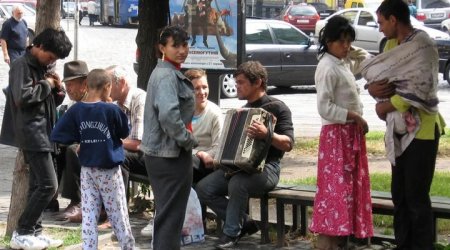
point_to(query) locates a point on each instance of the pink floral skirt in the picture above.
(342, 205)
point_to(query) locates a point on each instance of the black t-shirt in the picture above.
(283, 125)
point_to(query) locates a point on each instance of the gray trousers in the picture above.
(171, 180)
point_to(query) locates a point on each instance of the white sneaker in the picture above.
(148, 230)
(26, 242)
(49, 241)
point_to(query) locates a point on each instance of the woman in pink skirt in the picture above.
(342, 204)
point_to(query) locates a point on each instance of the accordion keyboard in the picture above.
(248, 144)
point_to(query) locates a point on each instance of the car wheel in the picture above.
(447, 72)
(228, 86)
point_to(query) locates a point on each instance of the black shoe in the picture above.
(206, 44)
(226, 242)
(193, 43)
(248, 228)
(53, 206)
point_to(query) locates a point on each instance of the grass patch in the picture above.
(374, 143)
(382, 182)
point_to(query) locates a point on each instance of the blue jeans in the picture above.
(42, 186)
(215, 187)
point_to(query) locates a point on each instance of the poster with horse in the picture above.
(212, 26)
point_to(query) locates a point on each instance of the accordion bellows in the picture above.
(237, 151)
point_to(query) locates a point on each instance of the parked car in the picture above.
(29, 15)
(368, 35)
(68, 9)
(29, 3)
(445, 25)
(287, 53)
(444, 58)
(323, 9)
(433, 12)
(302, 16)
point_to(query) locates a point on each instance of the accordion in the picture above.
(236, 150)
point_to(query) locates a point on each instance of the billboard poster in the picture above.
(212, 27)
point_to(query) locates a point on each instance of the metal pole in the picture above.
(75, 42)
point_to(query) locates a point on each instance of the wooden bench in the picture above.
(264, 203)
(301, 197)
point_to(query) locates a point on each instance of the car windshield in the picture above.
(26, 10)
(372, 4)
(431, 4)
(302, 11)
(69, 5)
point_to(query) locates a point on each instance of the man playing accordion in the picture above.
(228, 195)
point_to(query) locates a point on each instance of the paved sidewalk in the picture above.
(8, 155)
(293, 167)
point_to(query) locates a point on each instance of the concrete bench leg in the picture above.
(294, 217)
(435, 236)
(280, 223)
(303, 220)
(264, 220)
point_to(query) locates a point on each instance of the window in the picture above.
(350, 16)
(302, 11)
(431, 4)
(286, 34)
(365, 17)
(257, 33)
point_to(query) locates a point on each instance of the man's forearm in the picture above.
(282, 142)
(4, 48)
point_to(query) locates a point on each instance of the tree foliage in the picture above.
(153, 15)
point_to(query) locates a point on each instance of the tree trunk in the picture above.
(153, 15)
(47, 16)
(18, 194)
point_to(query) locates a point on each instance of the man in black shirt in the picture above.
(14, 35)
(213, 190)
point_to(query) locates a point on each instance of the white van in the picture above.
(433, 12)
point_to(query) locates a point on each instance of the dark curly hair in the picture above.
(55, 41)
(253, 70)
(336, 28)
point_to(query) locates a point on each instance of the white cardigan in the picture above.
(337, 91)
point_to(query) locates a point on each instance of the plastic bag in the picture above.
(193, 230)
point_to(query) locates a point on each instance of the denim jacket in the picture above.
(169, 107)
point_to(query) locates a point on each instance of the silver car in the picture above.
(29, 15)
(433, 12)
(367, 31)
(287, 53)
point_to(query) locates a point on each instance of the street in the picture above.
(101, 46)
